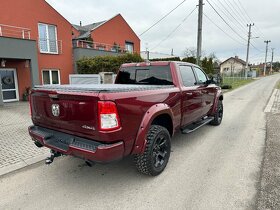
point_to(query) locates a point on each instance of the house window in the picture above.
(129, 46)
(51, 77)
(47, 38)
(226, 69)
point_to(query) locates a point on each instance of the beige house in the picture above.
(232, 66)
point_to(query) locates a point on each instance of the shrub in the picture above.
(226, 87)
(166, 59)
(107, 63)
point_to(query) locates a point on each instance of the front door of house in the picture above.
(9, 84)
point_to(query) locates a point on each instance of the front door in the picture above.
(8, 78)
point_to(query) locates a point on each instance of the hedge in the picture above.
(167, 59)
(105, 63)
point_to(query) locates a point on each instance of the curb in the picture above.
(22, 164)
(271, 101)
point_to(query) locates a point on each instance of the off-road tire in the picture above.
(145, 162)
(218, 116)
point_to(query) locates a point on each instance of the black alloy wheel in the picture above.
(157, 152)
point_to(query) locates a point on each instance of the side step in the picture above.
(192, 127)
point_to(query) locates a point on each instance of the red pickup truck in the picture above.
(137, 115)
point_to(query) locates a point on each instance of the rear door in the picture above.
(207, 91)
(191, 96)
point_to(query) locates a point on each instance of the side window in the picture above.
(187, 76)
(201, 77)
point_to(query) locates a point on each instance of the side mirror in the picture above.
(210, 81)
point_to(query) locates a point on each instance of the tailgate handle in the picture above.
(53, 96)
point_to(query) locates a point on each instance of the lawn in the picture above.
(236, 82)
(278, 85)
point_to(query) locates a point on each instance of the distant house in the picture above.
(232, 65)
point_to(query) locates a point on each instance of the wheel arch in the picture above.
(159, 114)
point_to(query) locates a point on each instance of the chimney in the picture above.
(80, 23)
(236, 57)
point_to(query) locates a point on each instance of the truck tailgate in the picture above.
(65, 111)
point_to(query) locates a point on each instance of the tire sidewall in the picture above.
(156, 171)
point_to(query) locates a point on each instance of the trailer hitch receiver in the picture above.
(50, 159)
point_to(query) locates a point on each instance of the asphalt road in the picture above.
(212, 168)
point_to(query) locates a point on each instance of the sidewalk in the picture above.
(17, 150)
(269, 195)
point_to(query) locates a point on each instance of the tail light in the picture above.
(108, 116)
(30, 106)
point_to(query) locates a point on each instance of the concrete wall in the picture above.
(13, 48)
(80, 53)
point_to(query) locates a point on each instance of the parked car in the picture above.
(136, 116)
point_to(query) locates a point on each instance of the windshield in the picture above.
(147, 75)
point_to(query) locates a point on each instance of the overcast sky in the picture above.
(140, 15)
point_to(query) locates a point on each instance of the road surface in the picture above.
(212, 168)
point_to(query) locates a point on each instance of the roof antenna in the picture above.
(80, 23)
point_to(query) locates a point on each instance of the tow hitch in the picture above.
(50, 159)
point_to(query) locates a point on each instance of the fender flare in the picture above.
(149, 116)
(217, 98)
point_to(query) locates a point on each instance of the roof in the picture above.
(85, 30)
(236, 59)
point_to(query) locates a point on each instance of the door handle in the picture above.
(189, 94)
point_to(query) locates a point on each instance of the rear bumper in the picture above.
(80, 147)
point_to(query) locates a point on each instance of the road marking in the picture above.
(271, 101)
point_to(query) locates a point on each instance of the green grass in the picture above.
(278, 85)
(236, 82)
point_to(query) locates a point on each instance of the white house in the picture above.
(232, 65)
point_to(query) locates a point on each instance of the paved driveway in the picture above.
(16, 148)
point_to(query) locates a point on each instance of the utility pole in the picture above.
(147, 51)
(199, 31)
(272, 54)
(248, 49)
(266, 49)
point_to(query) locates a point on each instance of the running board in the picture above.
(192, 127)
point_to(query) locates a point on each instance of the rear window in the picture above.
(147, 75)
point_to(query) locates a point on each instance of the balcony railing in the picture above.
(50, 46)
(99, 46)
(14, 32)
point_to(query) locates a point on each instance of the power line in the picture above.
(239, 13)
(243, 8)
(174, 30)
(240, 25)
(256, 48)
(162, 18)
(226, 22)
(223, 30)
